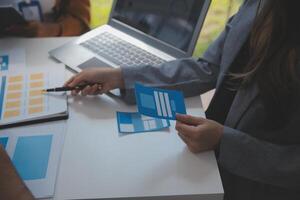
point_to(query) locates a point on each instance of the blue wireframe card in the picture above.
(159, 103)
(129, 123)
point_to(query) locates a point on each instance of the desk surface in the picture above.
(97, 163)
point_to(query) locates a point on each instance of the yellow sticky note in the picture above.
(34, 93)
(14, 79)
(14, 95)
(13, 104)
(37, 84)
(35, 110)
(38, 76)
(38, 101)
(14, 87)
(12, 113)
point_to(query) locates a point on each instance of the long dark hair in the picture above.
(274, 56)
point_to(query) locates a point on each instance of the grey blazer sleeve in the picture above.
(189, 75)
(261, 161)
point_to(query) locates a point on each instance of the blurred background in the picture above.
(218, 14)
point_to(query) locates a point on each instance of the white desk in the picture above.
(98, 164)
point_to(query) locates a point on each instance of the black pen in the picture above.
(64, 89)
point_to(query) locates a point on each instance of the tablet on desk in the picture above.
(10, 16)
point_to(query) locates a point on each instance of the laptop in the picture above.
(139, 32)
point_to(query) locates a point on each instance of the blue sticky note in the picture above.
(31, 156)
(3, 141)
(4, 62)
(129, 123)
(159, 103)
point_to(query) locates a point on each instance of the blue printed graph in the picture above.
(31, 156)
(4, 141)
(2, 93)
(4, 62)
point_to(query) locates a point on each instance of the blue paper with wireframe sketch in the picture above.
(159, 103)
(130, 123)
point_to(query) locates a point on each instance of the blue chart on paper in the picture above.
(137, 123)
(159, 103)
(2, 93)
(4, 62)
(31, 156)
(3, 141)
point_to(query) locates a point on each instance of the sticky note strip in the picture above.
(14, 87)
(137, 123)
(14, 79)
(12, 113)
(159, 103)
(13, 104)
(35, 110)
(31, 156)
(38, 76)
(37, 84)
(15, 95)
(34, 93)
(37, 101)
(3, 141)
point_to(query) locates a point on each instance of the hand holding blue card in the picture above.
(159, 103)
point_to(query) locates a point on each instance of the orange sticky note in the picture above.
(34, 93)
(37, 76)
(35, 110)
(13, 104)
(12, 113)
(14, 87)
(15, 95)
(14, 79)
(37, 84)
(37, 101)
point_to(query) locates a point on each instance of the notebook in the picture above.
(22, 101)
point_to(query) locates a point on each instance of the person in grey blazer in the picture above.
(253, 120)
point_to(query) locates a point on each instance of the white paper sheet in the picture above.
(21, 98)
(21, 145)
(12, 60)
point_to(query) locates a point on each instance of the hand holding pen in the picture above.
(93, 81)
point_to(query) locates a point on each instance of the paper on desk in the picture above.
(159, 103)
(129, 123)
(12, 60)
(21, 98)
(35, 152)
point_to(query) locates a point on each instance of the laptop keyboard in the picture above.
(119, 51)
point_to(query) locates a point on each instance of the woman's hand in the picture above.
(104, 80)
(198, 133)
(34, 29)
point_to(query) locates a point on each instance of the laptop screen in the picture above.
(171, 21)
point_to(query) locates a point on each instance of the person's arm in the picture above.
(11, 185)
(189, 75)
(244, 155)
(73, 16)
(261, 161)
